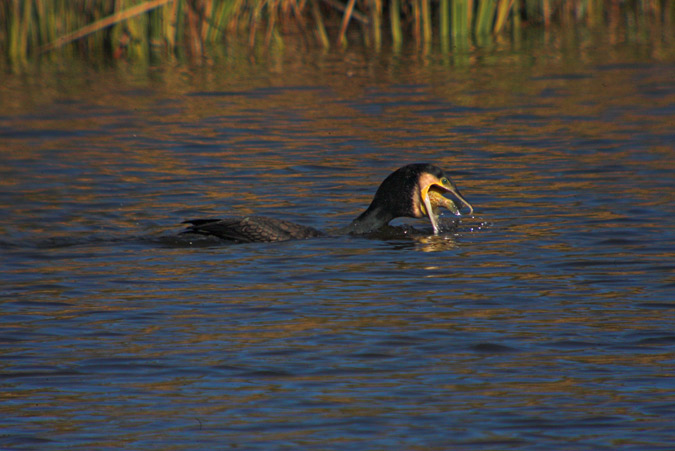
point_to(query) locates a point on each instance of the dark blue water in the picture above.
(546, 321)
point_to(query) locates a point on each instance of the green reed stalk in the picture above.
(155, 31)
(215, 21)
(366, 35)
(395, 23)
(46, 13)
(222, 14)
(444, 20)
(32, 32)
(460, 19)
(16, 49)
(25, 27)
(170, 25)
(175, 24)
(503, 10)
(426, 20)
(484, 17)
(376, 23)
(232, 17)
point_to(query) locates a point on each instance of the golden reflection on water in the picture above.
(435, 243)
(557, 154)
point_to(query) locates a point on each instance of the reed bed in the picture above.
(146, 29)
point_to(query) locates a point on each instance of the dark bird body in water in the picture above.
(247, 229)
(414, 191)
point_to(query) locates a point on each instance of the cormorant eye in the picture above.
(445, 181)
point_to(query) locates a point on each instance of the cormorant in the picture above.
(413, 191)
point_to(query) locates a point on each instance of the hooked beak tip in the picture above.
(459, 196)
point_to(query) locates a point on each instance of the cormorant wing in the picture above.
(248, 229)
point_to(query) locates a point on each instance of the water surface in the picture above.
(544, 322)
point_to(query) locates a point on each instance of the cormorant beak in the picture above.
(432, 197)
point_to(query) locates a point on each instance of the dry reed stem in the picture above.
(345, 21)
(103, 23)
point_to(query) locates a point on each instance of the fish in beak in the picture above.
(433, 199)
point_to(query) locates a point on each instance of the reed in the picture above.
(502, 14)
(484, 17)
(461, 22)
(426, 21)
(321, 33)
(395, 23)
(145, 29)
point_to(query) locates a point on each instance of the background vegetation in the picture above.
(147, 29)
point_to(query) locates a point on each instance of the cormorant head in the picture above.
(416, 190)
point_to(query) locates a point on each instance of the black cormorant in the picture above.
(415, 191)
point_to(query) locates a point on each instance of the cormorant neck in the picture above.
(370, 220)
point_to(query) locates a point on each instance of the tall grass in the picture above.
(143, 29)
